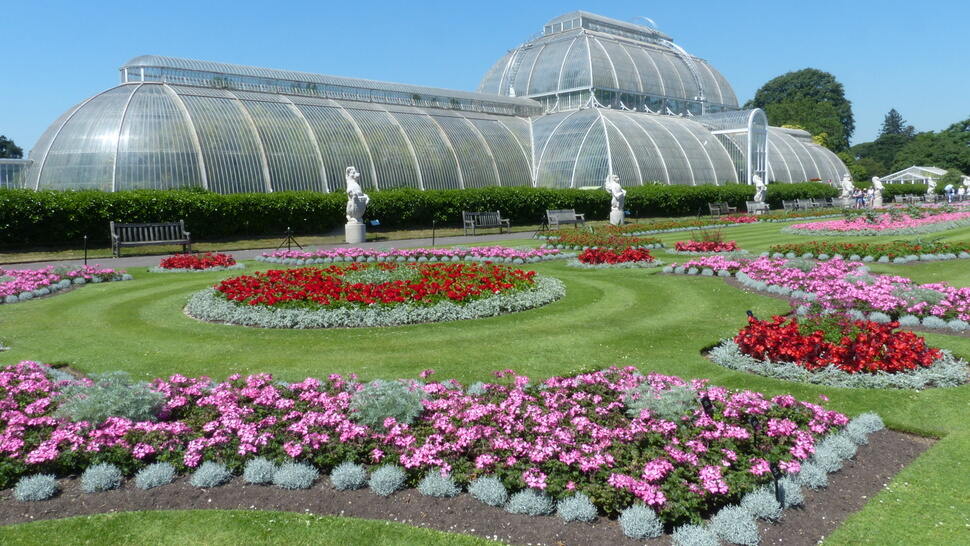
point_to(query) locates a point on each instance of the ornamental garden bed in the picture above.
(373, 294)
(582, 240)
(707, 244)
(897, 252)
(916, 220)
(654, 451)
(197, 263)
(604, 258)
(19, 285)
(498, 254)
(687, 224)
(839, 285)
(838, 351)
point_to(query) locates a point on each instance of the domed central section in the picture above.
(585, 59)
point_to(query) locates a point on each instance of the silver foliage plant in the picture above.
(206, 305)
(735, 525)
(762, 504)
(694, 535)
(386, 480)
(489, 490)
(576, 508)
(111, 394)
(436, 484)
(348, 475)
(101, 477)
(259, 470)
(380, 399)
(155, 475)
(639, 522)
(295, 476)
(670, 404)
(210, 474)
(530, 502)
(37, 487)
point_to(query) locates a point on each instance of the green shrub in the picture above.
(111, 394)
(62, 218)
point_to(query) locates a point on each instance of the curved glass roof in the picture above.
(161, 136)
(582, 147)
(176, 70)
(585, 51)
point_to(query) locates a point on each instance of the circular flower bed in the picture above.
(838, 351)
(380, 294)
(897, 252)
(602, 258)
(582, 240)
(705, 246)
(885, 224)
(194, 263)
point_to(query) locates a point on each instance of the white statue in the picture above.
(612, 185)
(930, 186)
(760, 188)
(618, 194)
(847, 187)
(966, 181)
(877, 188)
(357, 200)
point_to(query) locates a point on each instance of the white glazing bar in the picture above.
(545, 145)
(636, 69)
(407, 140)
(516, 140)
(629, 147)
(263, 161)
(121, 124)
(313, 140)
(363, 140)
(487, 148)
(652, 141)
(616, 79)
(451, 148)
(579, 151)
(690, 168)
(193, 133)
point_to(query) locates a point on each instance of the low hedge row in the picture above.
(29, 218)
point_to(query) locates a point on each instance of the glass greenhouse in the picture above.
(589, 97)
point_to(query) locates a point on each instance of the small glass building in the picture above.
(589, 97)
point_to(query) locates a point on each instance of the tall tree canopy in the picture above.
(894, 124)
(9, 150)
(819, 118)
(948, 149)
(812, 85)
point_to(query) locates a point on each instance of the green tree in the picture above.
(818, 118)
(894, 124)
(9, 150)
(809, 84)
(882, 151)
(948, 149)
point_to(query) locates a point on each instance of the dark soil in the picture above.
(825, 510)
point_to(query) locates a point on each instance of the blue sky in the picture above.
(914, 56)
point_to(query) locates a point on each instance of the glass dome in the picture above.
(627, 65)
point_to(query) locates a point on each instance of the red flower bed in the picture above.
(858, 346)
(377, 283)
(197, 261)
(739, 219)
(606, 256)
(705, 246)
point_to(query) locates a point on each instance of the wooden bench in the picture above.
(754, 207)
(489, 219)
(804, 204)
(718, 209)
(162, 233)
(556, 218)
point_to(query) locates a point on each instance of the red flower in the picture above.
(197, 261)
(607, 256)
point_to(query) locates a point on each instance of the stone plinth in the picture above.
(355, 233)
(616, 217)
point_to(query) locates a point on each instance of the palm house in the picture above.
(589, 97)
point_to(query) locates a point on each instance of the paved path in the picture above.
(151, 261)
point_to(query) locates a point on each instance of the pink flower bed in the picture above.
(350, 254)
(28, 280)
(884, 223)
(843, 285)
(570, 434)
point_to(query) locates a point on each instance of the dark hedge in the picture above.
(62, 218)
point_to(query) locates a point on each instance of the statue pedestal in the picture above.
(877, 201)
(616, 217)
(355, 233)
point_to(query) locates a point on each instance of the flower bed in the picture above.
(600, 258)
(705, 247)
(895, 252)
(582, 240)
(17, 285)
(838, 351)
(382, 294)
(845, 286)
(884, 224)
(683, 449)
(191, 263)
(475, 254)
(687, 224)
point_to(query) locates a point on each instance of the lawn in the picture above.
(608, 317)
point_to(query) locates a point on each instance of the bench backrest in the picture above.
(162, 231)
(560, 215)
(482, 218)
